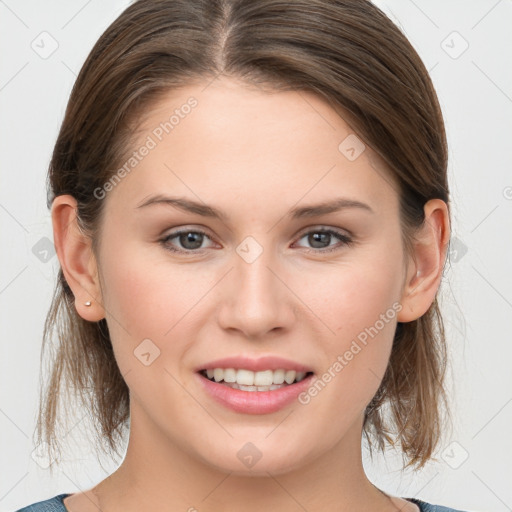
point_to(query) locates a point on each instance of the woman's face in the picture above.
(269, 278)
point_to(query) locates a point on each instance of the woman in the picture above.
(250, 210)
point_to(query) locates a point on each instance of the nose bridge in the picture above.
(257, 301)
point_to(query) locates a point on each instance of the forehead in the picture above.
(247, 143)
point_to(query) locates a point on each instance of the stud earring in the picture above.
(88, 303)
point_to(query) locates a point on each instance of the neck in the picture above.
(156, 471)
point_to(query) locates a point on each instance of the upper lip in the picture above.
(255, 365)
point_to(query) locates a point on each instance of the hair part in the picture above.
(347, 52)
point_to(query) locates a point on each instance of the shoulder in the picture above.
(429, 507)
(54, 504)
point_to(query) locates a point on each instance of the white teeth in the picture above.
(289, 376)
(278, 376)
(229, 375)
(263, 378)
(245, 377)
(234, 385)
(254, 381)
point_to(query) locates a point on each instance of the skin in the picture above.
(254, 155)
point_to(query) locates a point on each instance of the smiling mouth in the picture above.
(247, 380)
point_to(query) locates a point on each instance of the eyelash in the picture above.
(344, 239)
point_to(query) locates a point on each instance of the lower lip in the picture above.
(255, 402)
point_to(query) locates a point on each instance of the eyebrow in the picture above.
(205, 210)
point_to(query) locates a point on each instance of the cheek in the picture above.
(143, 300)
(360, 305)
(353, 298)
(148, 294)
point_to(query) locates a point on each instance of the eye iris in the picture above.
(191, 240)
(190, 236)
(314, 238)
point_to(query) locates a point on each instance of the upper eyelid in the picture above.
(323, 227)
(315, 228)
(319, 227)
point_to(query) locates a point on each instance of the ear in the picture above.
(76, 257)
(425, 265)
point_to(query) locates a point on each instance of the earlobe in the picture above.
(425, 267)
(76, 258)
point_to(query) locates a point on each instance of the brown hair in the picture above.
(346, 51)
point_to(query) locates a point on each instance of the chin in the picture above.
(255, 459)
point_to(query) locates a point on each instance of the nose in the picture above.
(256, 298)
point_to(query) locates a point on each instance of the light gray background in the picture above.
(474, 471)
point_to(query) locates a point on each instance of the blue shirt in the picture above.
(56, 504)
